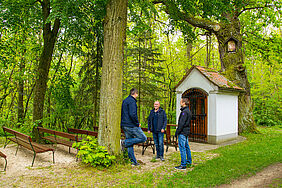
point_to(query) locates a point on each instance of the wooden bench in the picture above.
(25, 141)
(82, 132)
(171, 140)
(4, 156)
(58, 137)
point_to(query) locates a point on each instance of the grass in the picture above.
(243, 159)
(210, 168)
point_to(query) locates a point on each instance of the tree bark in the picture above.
(111, 83)
(232, 66)
(21, 93)
(49, 38)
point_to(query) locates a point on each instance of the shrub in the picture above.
(91, 153)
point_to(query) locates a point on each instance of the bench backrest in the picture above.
(2, 155)
(17, 134)
(144, 129)
(66, 135)
(168, 129)
(41, 129)
(58, 133)
(80, 131)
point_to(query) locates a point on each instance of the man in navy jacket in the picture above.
(182, 133)
(131, 126)
(156, 124)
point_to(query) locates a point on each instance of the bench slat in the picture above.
(17, 134)
(41, 129)
(36, 147)
(85, 132)
(59, 140)
(66, 135)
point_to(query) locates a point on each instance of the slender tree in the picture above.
(50, 34)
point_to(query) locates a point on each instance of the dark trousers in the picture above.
(159, 143)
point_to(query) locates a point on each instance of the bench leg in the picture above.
(76, 155)
(167, 145)
(33, 159)
(143, 149)
(174, 142)
(6, 143)
(153, 147)
(53, 157)
(5, 164)
(17, 149)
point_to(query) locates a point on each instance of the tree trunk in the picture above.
(188, 52)
(21, 93)
(232, 66)
(97, 76)
(111, 83)
(49, 38)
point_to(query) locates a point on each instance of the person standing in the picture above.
(131, 126)
(182, 133)
(156, 124)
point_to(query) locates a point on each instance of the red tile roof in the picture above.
(213, 76)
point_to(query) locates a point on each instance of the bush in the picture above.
(267, 111)
(91, 153)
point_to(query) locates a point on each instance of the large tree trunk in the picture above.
(49, 38)
(111, 84)
(232, 66)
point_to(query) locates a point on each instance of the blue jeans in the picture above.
(159, 143)
(184, 149)
(134, 135)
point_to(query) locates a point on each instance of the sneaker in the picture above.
(180, 167)
(122, 144)
(157, 157)
(162, 158)
(135, 164)
(189, 165)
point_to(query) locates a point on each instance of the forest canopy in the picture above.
(51, 56)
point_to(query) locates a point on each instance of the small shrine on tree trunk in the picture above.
(213, 103)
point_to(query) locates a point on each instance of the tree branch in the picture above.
(56, 27)
(174, 11)
(158, 2)
(253, 8)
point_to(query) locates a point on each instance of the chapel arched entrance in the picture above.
(198, 107)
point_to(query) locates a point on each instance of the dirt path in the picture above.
(20, 165)
(268, 177)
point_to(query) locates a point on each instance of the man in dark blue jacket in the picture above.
(131, 126)
(182, 133)
(156, 124)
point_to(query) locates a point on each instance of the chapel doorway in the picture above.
(198, 107)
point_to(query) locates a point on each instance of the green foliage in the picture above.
(91, 153)
(264, 68)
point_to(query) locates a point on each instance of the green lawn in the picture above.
(211, 168)
(247, 158)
